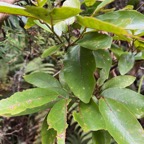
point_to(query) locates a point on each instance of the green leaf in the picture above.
(94, 41)
(103, 61)
(55, 15)
(79, 67)
(28, 101)
(42, 80)
(126, 63)
(41, 3)
(120, 123)
(57, 119)
(119, 81)
(50, 51)
(51, 17)
(131, 99)
(43, 26)
(89, 2)
(30, 22)
(128, 19)
(72, 3)
(45, 80)
(118, 51)
(13, 9)
(101, 137)
(62, 81)
(139, 44)
(103, 4)
(47, 136)
(61, 27)
(89, 117)
(97, 24)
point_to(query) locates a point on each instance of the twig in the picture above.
(140, 85)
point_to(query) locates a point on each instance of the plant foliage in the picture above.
(94, 73)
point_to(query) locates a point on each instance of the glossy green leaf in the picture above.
(89, 117)
(118, 51)
(51, 17)
(103, 61)
(140, 55)
(101, 137)
(60, 28)
(89, 2)
(128, 19)
(47, 136)
(23, 102)
(139, 44)
(72, 3)
(97, 24)
(50, 51)
(45, 80)
(41, 3)
(30, 22)
(103, 4)
(94, 41)
(126, 63)
(119, 81)
(14, 9)
(79, 67)
(57, 119)
(55, 15)
(131, 99)
(43, 26)
(42, 80)
(120, 123)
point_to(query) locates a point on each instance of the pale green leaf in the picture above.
(139, 45)
(94, 23)
(103, 4)
(94, 41)
(118, 51)
(41, 3)
(42, 80)
(101, 137)
(45, 80)
(89, 117)
(30, 22)
(57, 119)
(13, 9)
(89, 2)
(55, 15)
(72, 3)
(120, 123)
(28, 101)
(47, 135)
(128, 19)
(43, 26)
(119, 81)
(51, 17)
(79, 67)
(60, 27)
(103, 61)
(126, 63)
(131, 99)
(50, 51)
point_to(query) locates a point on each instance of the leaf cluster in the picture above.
(95, 71)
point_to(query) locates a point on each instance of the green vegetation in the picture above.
(88, 60)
